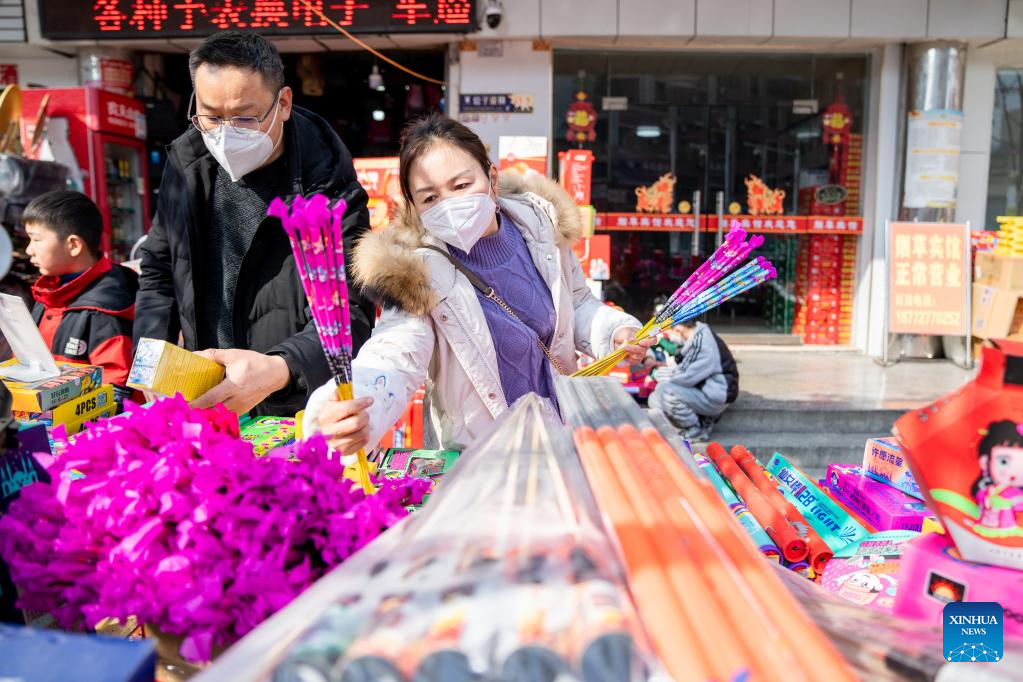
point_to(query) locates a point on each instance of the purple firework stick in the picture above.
(754, 272)
(737, 278)
(337, 218)
(726, 257)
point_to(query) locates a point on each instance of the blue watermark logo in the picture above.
(972, 632)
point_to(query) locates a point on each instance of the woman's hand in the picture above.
(345, 424)
(634, 351)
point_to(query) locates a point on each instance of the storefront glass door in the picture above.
(711, 121)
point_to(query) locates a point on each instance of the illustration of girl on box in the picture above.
(998, 490)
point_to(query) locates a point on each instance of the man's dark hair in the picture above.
(67, 213)
(241, 50)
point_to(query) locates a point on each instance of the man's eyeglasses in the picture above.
(206, 123)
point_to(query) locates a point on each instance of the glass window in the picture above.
(712, 120)
(1003, 189)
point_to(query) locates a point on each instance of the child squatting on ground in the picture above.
(703, 382)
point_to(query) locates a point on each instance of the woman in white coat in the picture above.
(465, 233)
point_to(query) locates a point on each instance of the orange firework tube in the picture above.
(763, 589)
(792, 547)
(749, 634)
(852, 514)
(672, 635)
(682, 558)
(820, 553)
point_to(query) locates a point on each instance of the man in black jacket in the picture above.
(215, 268)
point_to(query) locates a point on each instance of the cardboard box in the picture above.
(999, 271)
(933, 574)
(78, 424)
(883, 460)
(997, 313)
(40, 396)
(168, 369)
(73, 410)
(881, 505)
(416, 463)
(267, 433)
(866, 572)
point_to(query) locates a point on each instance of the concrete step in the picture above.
(807, 419)
(811, 452)
(759, 339)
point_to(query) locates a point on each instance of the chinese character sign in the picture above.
(94, 19)
(927, 279)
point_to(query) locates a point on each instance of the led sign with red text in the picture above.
(101, 19)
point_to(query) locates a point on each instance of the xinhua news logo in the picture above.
(972, 632)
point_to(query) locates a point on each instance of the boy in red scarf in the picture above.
(85, 305)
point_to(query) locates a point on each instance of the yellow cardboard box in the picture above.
(40, 396)
(73, 410)
(168, 369)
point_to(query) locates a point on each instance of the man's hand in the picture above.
(249, 378)
(635, 351)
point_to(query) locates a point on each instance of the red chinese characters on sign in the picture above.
(309, 12)
(577, 174)
(648, 222)
(453, 12)
(155, 17)
(188, 11)
(927, 279)
(411, 12)
(148, 15)
(645, 222)
(347, 9)
(266, 13)
(108, 17)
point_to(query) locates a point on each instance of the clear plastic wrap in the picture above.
(506, 574)
(883, 647)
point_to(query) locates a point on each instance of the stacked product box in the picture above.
(884, 461)
(883, 506)
(75, 413)
(823, 297)
(847, 287)
(74, 399)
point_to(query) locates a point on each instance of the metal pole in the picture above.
(885, 361)
(721, 217)
(967, 279)
(934, 74)
(696, 230)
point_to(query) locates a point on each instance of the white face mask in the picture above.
(460, 221)
(240, 153)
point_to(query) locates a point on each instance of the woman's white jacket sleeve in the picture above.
(595, 323)
(391, 366)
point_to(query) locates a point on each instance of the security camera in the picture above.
(493, 13)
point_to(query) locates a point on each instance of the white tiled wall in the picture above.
(757, 20)
(657, 18)
(811, 18)
(895, 19)
(733, 18)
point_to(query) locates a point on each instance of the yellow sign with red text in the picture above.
(927, 279)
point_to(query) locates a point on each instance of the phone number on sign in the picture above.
(936, 317)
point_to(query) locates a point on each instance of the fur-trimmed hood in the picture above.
(389, 270)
